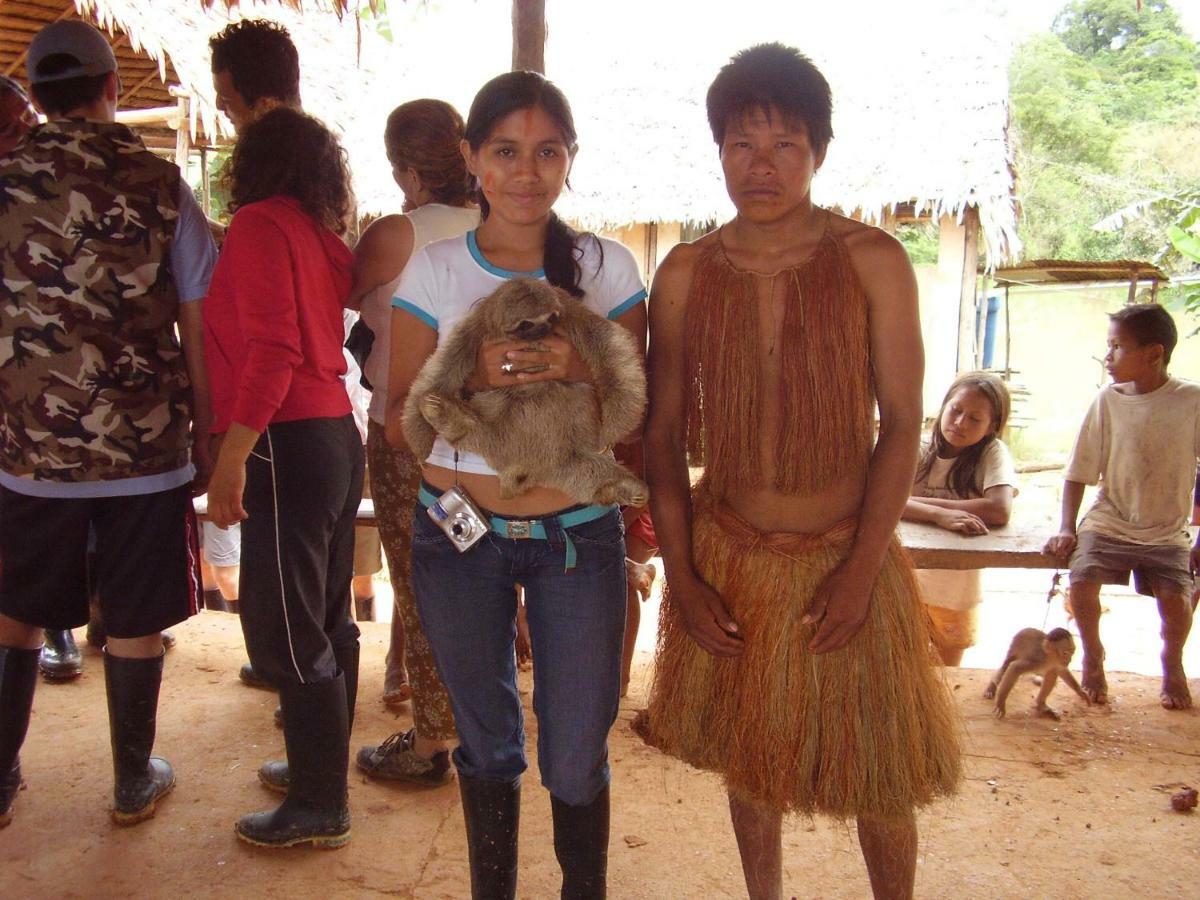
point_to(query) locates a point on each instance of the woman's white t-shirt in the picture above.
(954, 588)
(443, 281)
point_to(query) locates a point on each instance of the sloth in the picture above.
(547, 433)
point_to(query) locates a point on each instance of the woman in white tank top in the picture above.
(422, 140)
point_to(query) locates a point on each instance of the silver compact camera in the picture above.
(458, 516)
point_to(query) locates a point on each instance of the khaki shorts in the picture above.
(1101, 559)
(368, 555)
(953, 629)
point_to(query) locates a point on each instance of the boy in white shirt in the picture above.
(1139, 441)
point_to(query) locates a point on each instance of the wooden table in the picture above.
(1017, 545)
(366, 511)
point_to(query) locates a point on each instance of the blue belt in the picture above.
(523, 529)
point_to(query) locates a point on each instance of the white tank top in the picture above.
(431, 222)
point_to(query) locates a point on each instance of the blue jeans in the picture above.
(467, 603)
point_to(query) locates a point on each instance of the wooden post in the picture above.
(1007, 337)
(183, 136)
(205, 182)
(529, 35)
(966, 296)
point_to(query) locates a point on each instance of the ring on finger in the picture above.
(507, 368)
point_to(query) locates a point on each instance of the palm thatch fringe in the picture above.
(868, 730)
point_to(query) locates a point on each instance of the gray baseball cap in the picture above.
(70, 38)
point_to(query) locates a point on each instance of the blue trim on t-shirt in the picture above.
(409, 307)
(88, 490)
(477, 255)
(629, 304)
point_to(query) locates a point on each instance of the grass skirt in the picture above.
(868, 730)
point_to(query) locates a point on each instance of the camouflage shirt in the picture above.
(93, 384)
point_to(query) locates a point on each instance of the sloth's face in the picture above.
(525, 310)
(533, 328)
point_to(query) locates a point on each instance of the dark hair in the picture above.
(59, 97)
(1058, 634)
(289, 152)
(424, 135)
(772, 76)
(1149, 323)
(506, 94)
(261, 58)
(961, 477)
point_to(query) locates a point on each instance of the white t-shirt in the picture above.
(444, 280)
(1141, 449)
(995, 468)
(359, 395)
(431, 222)
(961, 589)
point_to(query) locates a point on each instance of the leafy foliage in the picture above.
(1107, 127)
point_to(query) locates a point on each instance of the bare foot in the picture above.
(1093, 682)
(524, 653)
(641, 726)
(397, 694)
(1175, 693)
(524, 645)
(1047, 712)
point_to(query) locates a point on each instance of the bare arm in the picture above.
(961, 521)
(191, 338)
(228, 483)
(413, 342)
(840, 604)
(993, 508)
(381, 254)
(705, 615)
(1063, 543)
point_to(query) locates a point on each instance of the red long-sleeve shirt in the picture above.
(273, 329)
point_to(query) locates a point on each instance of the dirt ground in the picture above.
(1078, 808)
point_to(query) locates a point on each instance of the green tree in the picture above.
(1103, 108)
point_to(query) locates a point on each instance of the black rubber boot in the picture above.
(60, 659)
(364, 609)
(315, 810)
(141, 780)
(581, 845)
(249, 677)
(96, 634)
(492, 810)
(18, 678)
(215, 601)
(274, 775)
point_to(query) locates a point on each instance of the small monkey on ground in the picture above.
(1034, 652)
(549, 433)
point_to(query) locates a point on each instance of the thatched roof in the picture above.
(144, 75)
(338, 6)
(920, 101)
(920, 109)
(164, 43)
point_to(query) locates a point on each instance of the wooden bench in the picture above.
(366, 511)
(1017, 545)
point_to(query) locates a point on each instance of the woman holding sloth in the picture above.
(519, 145)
